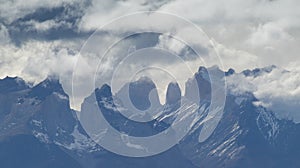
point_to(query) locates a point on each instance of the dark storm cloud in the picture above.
(47, 24)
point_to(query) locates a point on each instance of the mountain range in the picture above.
(38, 129)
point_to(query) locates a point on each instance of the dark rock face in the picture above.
(200, 82)
(46, 88)
(33, 121)
(173, 94)
(139, 92)
(117, 120)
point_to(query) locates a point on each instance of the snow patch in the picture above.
(61, 96)
(37, 123)
(41, 136)
(81, 142)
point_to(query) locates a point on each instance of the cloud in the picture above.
(278, 90)
(265, 29)
(268, 30)
(234, 11)
(268, 35)
(12, 10)
(47, 25)
(35, 60)
(246, 34)
(229, 57)
(4, 35)
(235, 58)
(101, 12)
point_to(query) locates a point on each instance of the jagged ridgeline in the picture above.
(39, 129)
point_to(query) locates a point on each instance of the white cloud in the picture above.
(238, 59)
(246, 34)
(46, 25)
(231, 11)
(265, 29)
(35, 60)
(102, 12)
(269, 35)
(268, 30)
(278, 91)
(229, 57)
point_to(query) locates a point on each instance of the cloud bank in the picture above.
(38, 38)
(278, 90)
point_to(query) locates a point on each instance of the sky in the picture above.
(40, 38)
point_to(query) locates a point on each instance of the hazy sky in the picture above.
(38, 38)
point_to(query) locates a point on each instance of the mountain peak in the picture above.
(202, 73)
(139, 92)
(229, 72)
(50, 80)
(173, 93)
(104, 91)
(50, 85)
(202, 69)
(143, 80)
(257, 71)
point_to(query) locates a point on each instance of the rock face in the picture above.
(38, 128)
(173, 94)
(40, 118)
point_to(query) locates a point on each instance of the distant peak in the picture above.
(51, 81)
(211, 68)
(230, 72)
(105, 87)
(173, 84)
(269, 68)
(104, 91)
(215, 67)
(9, 78)
(202, 69)
(202, 73)
(143, 79)
(257, 71)
(52, 78)
(173, 93)
(48, 86)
